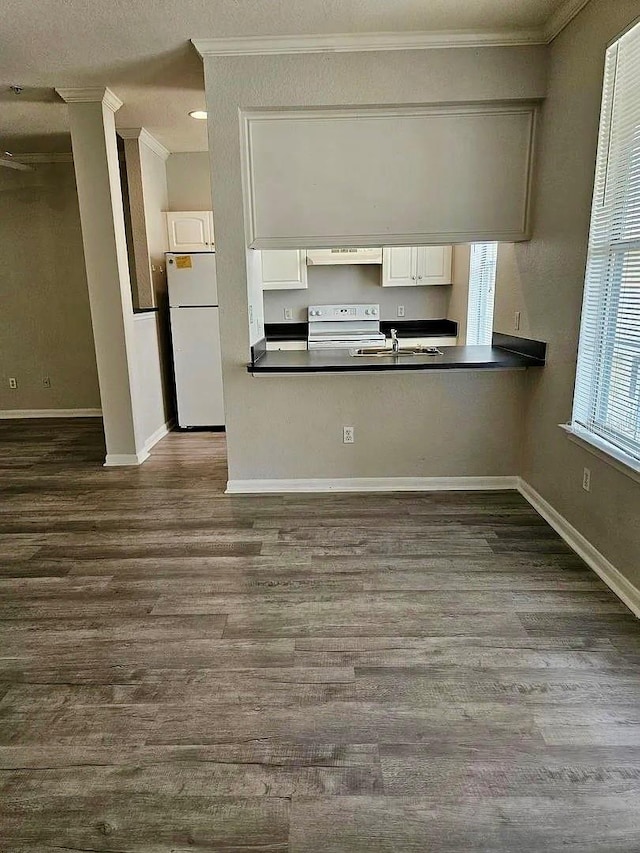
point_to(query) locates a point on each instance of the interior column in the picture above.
(95, 157)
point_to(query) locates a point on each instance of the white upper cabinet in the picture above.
(434, 265)
(399, 266)
(190, 231)
(283, 269)
(410, 266)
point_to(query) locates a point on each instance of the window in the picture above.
(606, 403)
(482, 286)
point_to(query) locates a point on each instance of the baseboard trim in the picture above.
(614, 579)
(14, 414)
(372, 484)
(155, 437)
(119, 460)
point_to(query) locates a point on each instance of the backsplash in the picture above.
(358, 283)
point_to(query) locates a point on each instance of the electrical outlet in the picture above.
(288, 314)
(516, 321)
(251, 313)
(586, 479)
(400, 310)
(46, 381)
(348, 435)
(13, 382)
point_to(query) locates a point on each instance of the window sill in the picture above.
(619, 460)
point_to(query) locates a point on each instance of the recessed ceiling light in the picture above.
(199, 114)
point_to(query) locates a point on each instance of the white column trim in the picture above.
(91, 96)
(117, 460)
(145, 137)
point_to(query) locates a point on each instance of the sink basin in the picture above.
(385, 352)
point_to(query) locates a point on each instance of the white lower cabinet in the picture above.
(283, 269)
(412, 266)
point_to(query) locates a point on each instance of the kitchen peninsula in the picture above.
(507, 352)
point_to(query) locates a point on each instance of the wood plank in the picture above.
(186, 670)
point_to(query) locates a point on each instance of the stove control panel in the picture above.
(322, 313)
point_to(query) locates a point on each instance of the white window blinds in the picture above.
(482, 286)
(606, 402)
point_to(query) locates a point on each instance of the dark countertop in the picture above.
(406, 329)
(339, 361)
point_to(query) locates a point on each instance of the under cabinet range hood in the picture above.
(319, 257)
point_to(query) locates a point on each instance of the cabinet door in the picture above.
(283, 269)
(190, 231)
(399, 266)
(434, 265)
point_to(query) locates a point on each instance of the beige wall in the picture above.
(156, 202)
(458, 303)
(152, 337)
(511, 294)
(437, 424)
(551, 273)
(188, 181)
(45, 325)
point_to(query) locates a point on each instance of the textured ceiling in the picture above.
(141, 50)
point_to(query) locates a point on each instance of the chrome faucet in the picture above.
(395, 345)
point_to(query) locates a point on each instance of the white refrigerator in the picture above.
(195, 336)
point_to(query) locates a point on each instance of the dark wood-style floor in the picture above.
(184, 671)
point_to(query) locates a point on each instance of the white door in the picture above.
(190, 231)
(399, 266)
(434, 265)
(195, 335)
(191, 278)
(283, 269)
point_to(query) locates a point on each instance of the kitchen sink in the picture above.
(386, 352)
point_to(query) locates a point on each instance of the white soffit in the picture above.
(358, 42)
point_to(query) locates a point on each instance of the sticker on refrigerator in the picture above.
(183, 262)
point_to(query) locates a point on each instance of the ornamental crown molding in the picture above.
(90, 96)
(358, 42)
(145, 137)
(563, 15)
(361, 42)
(55, 157)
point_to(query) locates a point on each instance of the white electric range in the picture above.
(344, 326)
